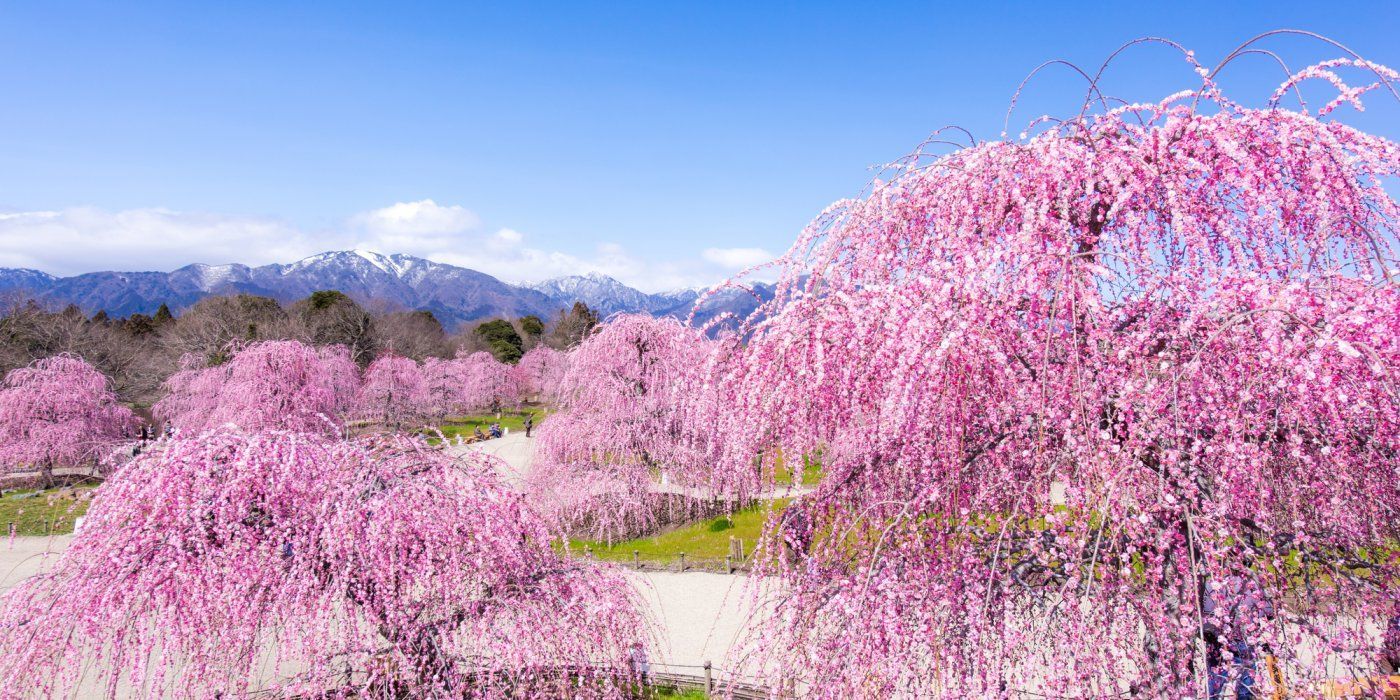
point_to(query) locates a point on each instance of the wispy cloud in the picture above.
(85, 239)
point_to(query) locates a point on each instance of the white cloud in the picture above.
(414, 227)
(85, 239)
(737, 258)
(423, 218)
(505, 255)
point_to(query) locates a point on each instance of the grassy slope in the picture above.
(30, 514)
(706, 539)
(811, 472)
(674, 694)
(464, 425)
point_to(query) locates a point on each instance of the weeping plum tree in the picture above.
(1081, 395)
(540, 372)
(490, 382)
(281, 384)
(466, 383)
(631, 408)
(446, 388)
(318, 568)
(58, 412)
(392, 393)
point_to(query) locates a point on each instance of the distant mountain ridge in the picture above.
(456, 295)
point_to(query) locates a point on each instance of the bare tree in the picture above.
(571, 327)
(415, 334)
(332, 318)
(208, 327)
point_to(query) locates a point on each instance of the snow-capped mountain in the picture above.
(603, 294)
(676, 298)
(24, 280)
(735, 301)
(454, 294)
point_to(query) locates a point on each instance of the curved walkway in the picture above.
(517, 454)
(514, 451)
(697, 617)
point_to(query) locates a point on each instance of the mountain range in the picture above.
(455, 295)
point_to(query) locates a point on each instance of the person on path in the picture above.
(1234, 610)
(641, 666)
(529, 423)
(1390, 644)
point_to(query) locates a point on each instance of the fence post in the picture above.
(729, 563)
(681, 563)
(12, 529)
(636, 560)
(1276, 677)
(709, 684)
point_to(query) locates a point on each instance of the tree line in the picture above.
(140, 351)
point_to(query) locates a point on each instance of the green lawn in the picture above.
(703, 540)
(811, 472)
(36, 514)
(512, 419)
(677, 694)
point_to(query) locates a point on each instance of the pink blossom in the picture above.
(281, 384)
(374, 568)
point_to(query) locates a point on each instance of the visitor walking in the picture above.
(1233, 610)
(641, 666)
(529, 423)
(1390, 644)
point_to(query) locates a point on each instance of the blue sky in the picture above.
(665, 143)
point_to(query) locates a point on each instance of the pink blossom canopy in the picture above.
(378, 568)
(277, 384)
(1068, 391)
(59, 412)
(632, 412)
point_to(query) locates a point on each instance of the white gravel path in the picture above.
(515, 452)
(27, 556)
(696, 616)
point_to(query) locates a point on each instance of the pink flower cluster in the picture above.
(636, 432)
(259, 548)
(1069, 393)
(399, 392)
(310, 565)
(289, 385)
(540, 374)
(280, 384)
